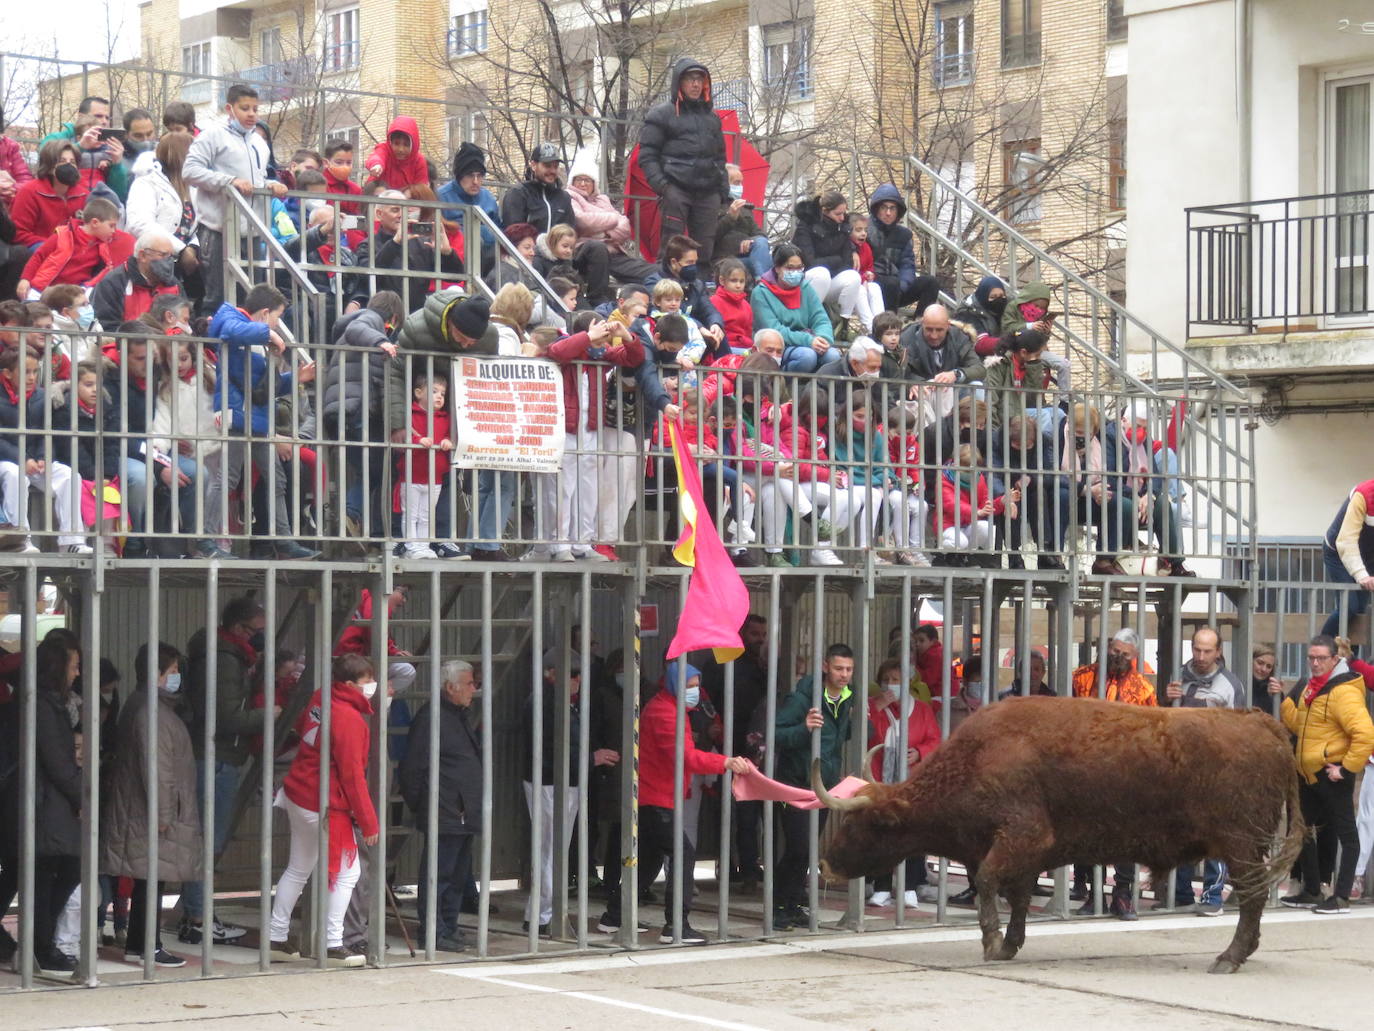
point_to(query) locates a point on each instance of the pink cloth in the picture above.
(753, 786)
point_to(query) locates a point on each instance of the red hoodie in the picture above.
(396, 174)
(922, 730)
(343, 188)
(578, 347)
(356, 638)
(658, 747)
(37, 210)
(427, 464)
(738, 315)
(72, 255)
(349, 741)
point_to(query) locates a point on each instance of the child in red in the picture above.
(338, 175)
(425, 466)
(870, 302)
(79, 252)
(397, 162)
(964, 515)
(732, 301)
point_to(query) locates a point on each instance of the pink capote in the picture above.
(753, 786)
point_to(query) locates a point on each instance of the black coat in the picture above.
(460, 770)
(420, 257)
(547, 746)
(91, 439)
(57, 779)
(824, 242)
(1004, 462)
(136, 403)
(682, 143)
(538, 205)
(346, 371)
(957, 355)
(35, 411)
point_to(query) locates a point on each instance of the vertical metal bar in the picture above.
(536, 772)
(674, 889)
(488, 744)
(433, 745)
(269, 751)
(28, 771)
(942, 896)
(207, 852)
(90, 783)
(152, 896)
(629, 773)
(584, 758)
(817, 701)
(320, 885)
(379, 769)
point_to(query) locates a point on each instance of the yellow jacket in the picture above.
(1335, 728)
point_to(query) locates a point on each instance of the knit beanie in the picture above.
(468, 159)
(470, 317)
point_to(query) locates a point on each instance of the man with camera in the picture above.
(402, 239)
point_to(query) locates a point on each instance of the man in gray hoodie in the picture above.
(1204, 683)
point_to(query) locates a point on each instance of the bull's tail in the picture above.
(1277, 866)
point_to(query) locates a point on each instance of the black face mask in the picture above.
(687, 273)
(67, 175)
(997, 305)
(258, 640)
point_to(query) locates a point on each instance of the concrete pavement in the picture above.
(1309, 972)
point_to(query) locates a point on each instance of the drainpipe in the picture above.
(1243, 84)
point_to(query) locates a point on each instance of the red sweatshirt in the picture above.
(738, 315)
(72, 255)
(356, 638)
(922, 731)
(657, 748)
(37, 210)
(427, 464)
(865, 253)
(578, 347)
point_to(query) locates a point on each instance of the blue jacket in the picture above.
(894, 256)
(36, 407)
(798, 326)
(696, 302)
(452, 193)
(246, 402)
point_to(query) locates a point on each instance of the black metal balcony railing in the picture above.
(279, 81)
(1292, 262)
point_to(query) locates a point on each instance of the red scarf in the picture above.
(789, 296)
(240, 644)
(1018, 369)
(88, 409)
(1313, 688)
(9, 390)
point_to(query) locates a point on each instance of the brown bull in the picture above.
(1031, 784)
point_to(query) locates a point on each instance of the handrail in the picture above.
(283, 257)
(1070, 276)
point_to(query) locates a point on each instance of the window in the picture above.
(787, 59)
(954, 44)
(1116, 165)
(1020, 33)
(1022, 167)
(1116, 19)
(195, 60)
(353, 134)
(269, 46)
(1351, 148)
(468, 125)
(467, 33)
(341, 41)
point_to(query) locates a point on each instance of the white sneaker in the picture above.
(920, 559)
(29, 548)
(565, 555)
(538, 553)
(825, 557)
(422, 551)
(910, 899)
(79, 549)
(878, 560)
(880, 898)
(927, 893)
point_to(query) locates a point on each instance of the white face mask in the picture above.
(692, 697)
(368, 688)
(172, 684)
(737, 190)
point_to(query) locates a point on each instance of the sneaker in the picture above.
(450, 944)
(485, 555)
(1334, 904)
(224, 934)
(927, 893)
(880, 898)
(545, 930)
(565, 555)
(593, 555)
(421, 552)
(825, 557)
(1207, 909)
(610, 924)
(357, 948)
(29, 547)
(338, 956)
(211, 549)
(690, 936)
(54, 962)
(161, 958)
(743, 558)
(538, 553)
(782, 919)
(281, 952)
(607, 552)
(911, 899)
(777, 560)
(1302, 900)
(801, 916)
(1123, 909)
(967, 897)
(448, 551)
(291, 551)
(78, 549)
(824, 531)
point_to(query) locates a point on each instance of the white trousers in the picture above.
(67, 935)
(1364, 823)
(55, 483)
(577, 493)
(977, 537)
(546, 845)
(617, 469)
(779, 496)
(869, 304)
(417, 514)
(861, 505)
(841, 289)
(908, 513)
(305, 853)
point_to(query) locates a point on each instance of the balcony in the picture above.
(281, 81)
(197, 91)
(954, 69)
(1282, 286)
(731, 95)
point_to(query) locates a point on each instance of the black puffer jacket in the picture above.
(57, 779)
(823, 241)
(345, 371)
(681, 143)
(540, 205)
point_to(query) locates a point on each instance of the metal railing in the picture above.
(1292, 263)
(282, 80)
(953, 69)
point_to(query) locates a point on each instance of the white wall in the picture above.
(1306, 466)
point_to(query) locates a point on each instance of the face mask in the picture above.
(692, 697)
(85, 316)
(236, 126)
(687, 273)
(860, 426)
(67, 175)
(890, 693)
(997, 305)
(620, 680)
(163, 271)
(172, 684)
(866, 376)
(368, 688)
(737, 190)
(258, 641)
(1032, 312)
(140, 146)
(793, 277)
(1138, 435)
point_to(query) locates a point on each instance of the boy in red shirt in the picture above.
(425, 466)
(338, 175)
(79, 252)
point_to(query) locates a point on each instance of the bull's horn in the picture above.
(831, 802)
(868, 762)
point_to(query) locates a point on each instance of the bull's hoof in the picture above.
(1007, 951)
(1224, 965)
(993, 948)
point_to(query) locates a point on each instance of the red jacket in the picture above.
(713, 383)
(922, 731)
(957, 507)
(578, 347)
(12, 161)
(427, 464)
(356, 638)
(905, 454)
(865, 253)
(657, 749)
(930, 666)
(72, 255)
(738, 315)
(396, 174)
(37, 210)
(344, 188)
(349, 741)
(789, 445)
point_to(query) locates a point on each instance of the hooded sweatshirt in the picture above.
(1034, 292)
(1218, 689)
(394, 173)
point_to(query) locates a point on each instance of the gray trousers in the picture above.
(232, 461)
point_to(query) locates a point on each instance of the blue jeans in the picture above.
(227, 777)
(760, 256)
(133, 482)
(493, 512)
(186, 496)
(1336, 573)
(1213, 880)
(805, 359)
